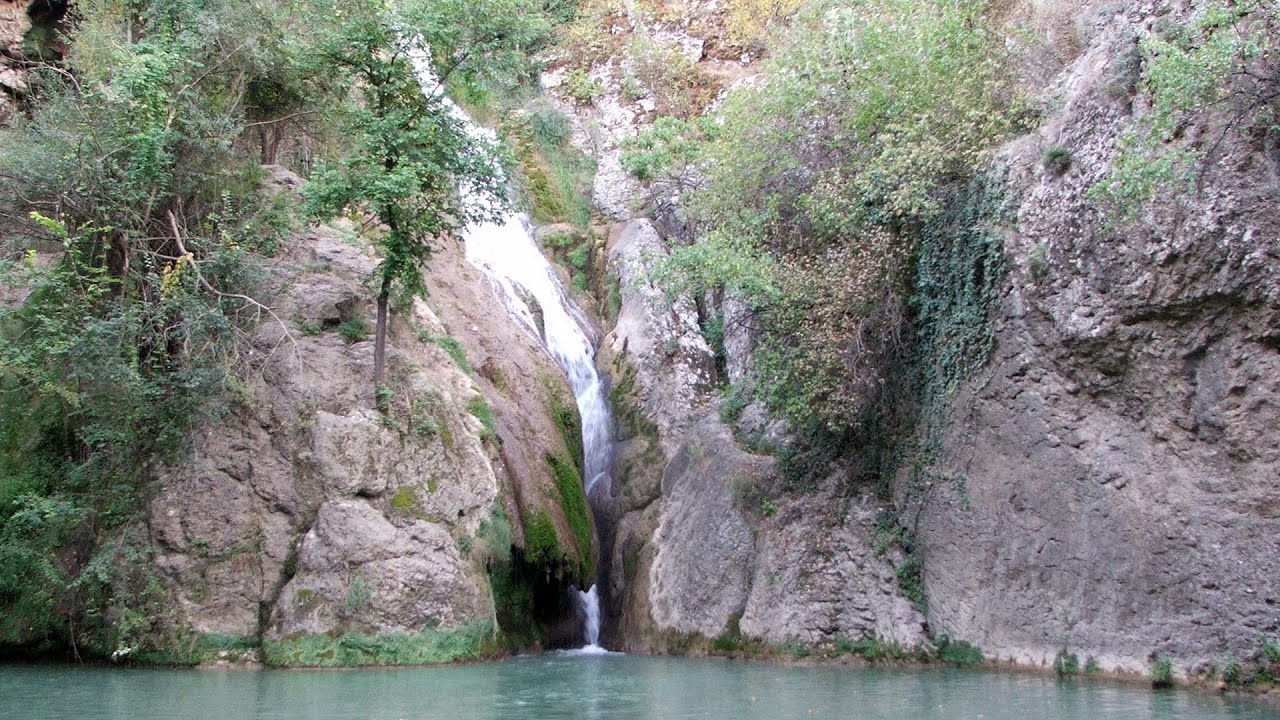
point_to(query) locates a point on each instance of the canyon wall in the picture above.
(1113, 464)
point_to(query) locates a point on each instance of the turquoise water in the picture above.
(614, 687)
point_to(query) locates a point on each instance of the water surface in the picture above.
(601, 686)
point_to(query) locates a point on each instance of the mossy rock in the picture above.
(426, 647)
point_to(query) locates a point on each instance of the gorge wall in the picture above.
(1105, 484)
(316, 511)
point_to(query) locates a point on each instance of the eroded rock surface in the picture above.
(1119, 453)
(309, 509)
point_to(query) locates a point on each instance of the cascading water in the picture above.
(507, 252)
(509, 255)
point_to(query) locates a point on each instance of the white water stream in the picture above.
(510, 256)
(507, 252)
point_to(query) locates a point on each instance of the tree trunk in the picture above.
(380, 337)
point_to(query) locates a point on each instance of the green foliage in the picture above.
(137, 262)
(1231, 673)
(817, 185)
(452, 347)
(428, 646)
(405, 500)
(354, 330)
(890, 532)
(669, 148)
(382, 400)
(957, 652)
(565, 415)
(1056, 160)
(580, 88)
(1225, 59)
(888, 118)
(548, 126)
(1066, 664)
(750, 22)
(557, 177)
(678, 86)
(478, 406)
(411, 154)
(577, 513)
(541, 542)
(1161, 672)
(358, 595)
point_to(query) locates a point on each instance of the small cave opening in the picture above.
(46, 39)
(534, 604)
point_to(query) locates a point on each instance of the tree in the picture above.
(416, 164)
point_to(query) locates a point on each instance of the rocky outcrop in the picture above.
(314, 507)
(1105, 484)
(1118, 451)
(14, 24)
(706, 544)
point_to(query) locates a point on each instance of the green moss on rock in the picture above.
(426, 647)
(573, 502)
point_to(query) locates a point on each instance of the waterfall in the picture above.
(509, 255)
(507, 252)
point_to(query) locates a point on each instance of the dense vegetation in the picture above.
(816, 185)
(135, 229)
(847, 194)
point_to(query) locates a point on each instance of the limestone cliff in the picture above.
(317, 509)
(1113, 463)
(706, 546)
(1118, 448)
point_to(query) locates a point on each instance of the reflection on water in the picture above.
(589, 686)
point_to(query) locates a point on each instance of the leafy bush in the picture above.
(1066, 664)
(1056, 160)
(750, 21)
(557, 177)
(580, 88)
(678, 86)
(1226, 58)
(1161, 672)
(354, 330)
(958, 652)
(670, 149)
(131, 334)
(817, 181)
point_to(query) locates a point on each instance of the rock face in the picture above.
(1120, 455)
(307, 511)
(14, 24)
(1121, 496)
(705, 543)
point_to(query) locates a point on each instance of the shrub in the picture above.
(1222, 59)
(1161, 672)
(678, 86)
(354, 330)
(750, 21)
(479, 408)
(581, 88)
(1066, 664)
(958, 652)
(1056, 160)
